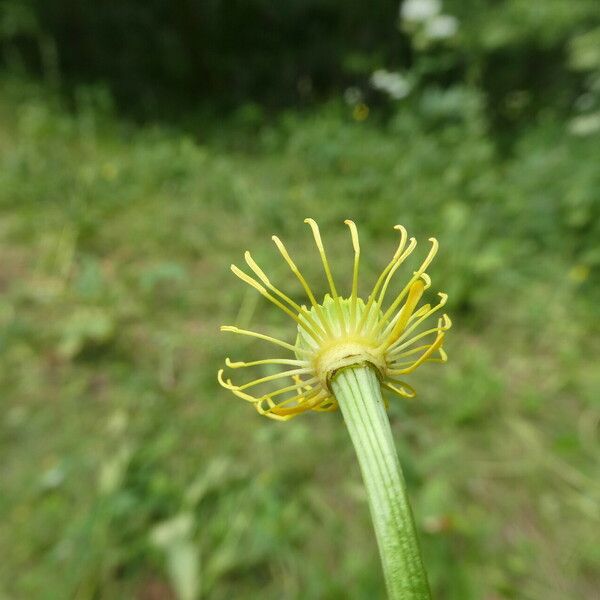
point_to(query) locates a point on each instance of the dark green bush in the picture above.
(160, 56)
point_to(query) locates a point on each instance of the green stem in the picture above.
(358, 393)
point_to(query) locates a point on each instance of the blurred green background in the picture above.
(145, 145)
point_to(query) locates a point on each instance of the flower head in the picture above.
(419, 11)
(342, 331)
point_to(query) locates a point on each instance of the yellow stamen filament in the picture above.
(392, 355)
(296, 405)
(233, 388)
(288, 388)
(283, 412)
(300, 384)
(263, 277)
(405, 391)
(354, 293)
(418, 313)
(436, 344)
(414, 295)
(395, 363)
(267, 361)
(300, 401)
(250, 384)
(262, 336)
(416, 275)
(425, 312)
(442, 358)
(326, 407)
(396, 257)
(412, 245)
(263, 292)
(318, 308)
(238, 390)
(444, 324)
(415, 315)
(420, 320)
(319, 243)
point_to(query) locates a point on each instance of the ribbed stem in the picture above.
(358, 393)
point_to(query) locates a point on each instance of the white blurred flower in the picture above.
(353, 95)
(585, 124)
(585, 102)
(393, 84)
(418, 11)
(441, 27)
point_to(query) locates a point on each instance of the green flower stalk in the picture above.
(346, 350)
(359, 396)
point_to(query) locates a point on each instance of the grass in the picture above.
(127, 472)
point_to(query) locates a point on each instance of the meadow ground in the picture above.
(127, 472)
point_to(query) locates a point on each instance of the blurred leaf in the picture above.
(86, 327)
(183, 559)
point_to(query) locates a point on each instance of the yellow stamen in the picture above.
(397, 254)
(266, 361)
(261, 290)
(233, 388)
(396, 364)
(326, 407)
(422, 316)
(421, 319)
(414, 295)
(284, 411)
(435, 346)
(417, 274)
(412, 245)
(406, 391)
(354, 294)
(266, 338)
(301, 384)
(319, 243)
(444, 324)
(289, 388)
(289, 373)
(238, 391)
(301, 400)
(409, 353)
(283, 251)
(263, 277)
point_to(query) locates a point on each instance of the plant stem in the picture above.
(358, 393)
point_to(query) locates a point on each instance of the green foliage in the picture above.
(160, 56)
(179, 52)
(127, 471)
